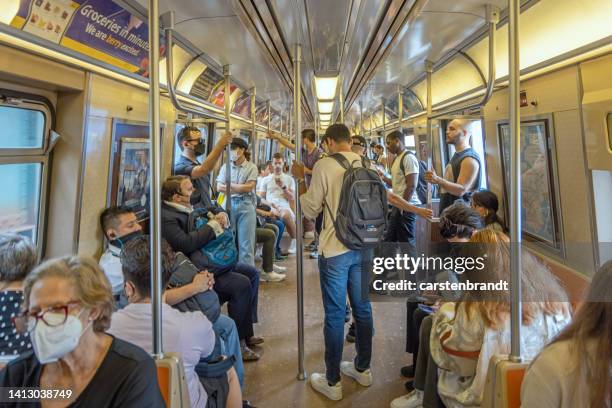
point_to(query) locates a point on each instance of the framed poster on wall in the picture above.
(540, 211)
(130, 173)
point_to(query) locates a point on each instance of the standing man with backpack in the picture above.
(354, 222)
(404, 180)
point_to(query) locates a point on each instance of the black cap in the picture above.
(239, 142)
(359, 140)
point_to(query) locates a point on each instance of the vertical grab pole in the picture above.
(254, 149)
(429, 138)
(155, 186)
(400, 109)
(269, 127)
(297, 123)
(514, 11)
(361, 132)
(384, 132)
(341, 97)
(228, 164)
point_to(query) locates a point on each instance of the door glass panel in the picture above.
(20, 199)
(21, 128)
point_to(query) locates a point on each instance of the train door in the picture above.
(25, 144)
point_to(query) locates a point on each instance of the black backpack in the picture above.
(421, 188)
(362, 209)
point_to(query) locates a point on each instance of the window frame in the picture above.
(558, 245)
(37, 155)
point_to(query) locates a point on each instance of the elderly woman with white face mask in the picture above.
(67, 308)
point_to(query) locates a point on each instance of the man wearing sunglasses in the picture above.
(192, 146)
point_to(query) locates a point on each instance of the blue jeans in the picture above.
(244, 222)
(339, 275)
(228, 344)
(281, 229)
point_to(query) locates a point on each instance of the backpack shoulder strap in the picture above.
(342, 161)
(401, 158)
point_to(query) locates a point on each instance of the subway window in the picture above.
(23, 167)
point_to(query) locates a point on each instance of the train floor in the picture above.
(272, 381)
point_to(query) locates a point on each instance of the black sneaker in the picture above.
(408, 371)
(350, 336)
(278, 257)
(409, 385)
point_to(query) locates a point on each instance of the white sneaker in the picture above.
(280, 269)
(309, 235)
(271, 277)
(319, 384)
(292, 248)
(412, 400)
(364, 378)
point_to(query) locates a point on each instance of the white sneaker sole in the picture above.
(349, 370)
(324, 389)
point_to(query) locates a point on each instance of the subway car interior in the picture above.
(132, 277)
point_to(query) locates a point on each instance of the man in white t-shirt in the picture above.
(279, 189)
(339, 269)
(404, 180)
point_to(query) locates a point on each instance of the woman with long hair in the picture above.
(466, 334)
(575, 370)
(486, 204)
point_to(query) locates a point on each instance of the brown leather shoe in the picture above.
(253, 341)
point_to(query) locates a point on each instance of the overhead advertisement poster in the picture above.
(99, 29)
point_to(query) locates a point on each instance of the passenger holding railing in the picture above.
(238, 284)
(192, 146)
(575, 370)
(242, 196)
(17, 259)
(188, 333)
(67, 309)
(462, 173)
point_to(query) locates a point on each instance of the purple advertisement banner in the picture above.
(100, 29)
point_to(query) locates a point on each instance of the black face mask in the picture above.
(121, 241)
(200, 148)
(195, 197)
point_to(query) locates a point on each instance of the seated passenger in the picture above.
(575, 370)
(486, 203)
(457, 225)
(279, 189)
(68, 305)
(189, 289)
(17, 259)
(266, 234)
(188, 333)
(269, 220)
(239, 287)
(119, 225)
(478, 327)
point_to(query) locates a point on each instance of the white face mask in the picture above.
(234, 155)
(51, 343)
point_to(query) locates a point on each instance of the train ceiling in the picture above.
(376, 47)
